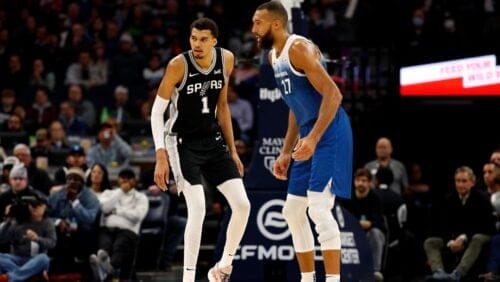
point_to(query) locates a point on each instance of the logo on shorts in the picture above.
(270, 222)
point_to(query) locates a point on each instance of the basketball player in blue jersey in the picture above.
(197, 140)
(318, 140)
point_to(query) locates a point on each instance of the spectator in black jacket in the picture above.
(464, 226)
(366, 206)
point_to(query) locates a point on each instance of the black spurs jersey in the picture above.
(193, 103)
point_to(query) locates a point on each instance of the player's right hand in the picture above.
(162, 171)
(280, 167)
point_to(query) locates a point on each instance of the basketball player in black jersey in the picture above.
(197, 140)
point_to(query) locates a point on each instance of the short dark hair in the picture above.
(360, 172)
(105, 125)
(204, 24)
(126, 173)
(277, 9)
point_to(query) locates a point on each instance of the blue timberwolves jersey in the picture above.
(331, 163)
(296, 90)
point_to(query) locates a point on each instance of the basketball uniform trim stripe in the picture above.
(175, 161)
(223, 65)
(286, 49)
(210, 68)
(173, 113)
(184, 78)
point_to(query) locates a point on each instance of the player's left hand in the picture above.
(239, 164)
(304, 149)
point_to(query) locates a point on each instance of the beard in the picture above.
(267, 41)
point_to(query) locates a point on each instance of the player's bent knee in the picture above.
(234, 191)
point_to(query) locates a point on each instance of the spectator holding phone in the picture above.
(111, 149)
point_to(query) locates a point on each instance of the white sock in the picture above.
(189, 274)
(308, 276)
(332, 278)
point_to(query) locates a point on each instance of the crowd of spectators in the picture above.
(77, 81)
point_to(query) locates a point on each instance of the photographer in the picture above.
(110, 150)
(18, 181)
(30, 235)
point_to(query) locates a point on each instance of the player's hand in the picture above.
(280, 167)
(239, 164)
(162, 171)
(304, 149)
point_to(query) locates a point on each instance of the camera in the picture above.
(19, 209)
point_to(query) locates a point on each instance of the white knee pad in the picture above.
(295, 215)
(320, 210)
(236, 196)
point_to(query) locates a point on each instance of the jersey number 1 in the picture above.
(205, 109)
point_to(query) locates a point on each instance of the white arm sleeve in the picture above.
(157, 123)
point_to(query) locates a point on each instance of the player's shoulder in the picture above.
(177, 64)
(227, 54)
(302, 45)
(177, 61)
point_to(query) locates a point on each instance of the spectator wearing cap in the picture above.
(111, 149)
(74, 209)
(76, 158)
(19, 187)
(7, 165)
(123, 210)
(37, 178)
(30, 238)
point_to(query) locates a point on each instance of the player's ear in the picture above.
(215, 41)
(276, 24)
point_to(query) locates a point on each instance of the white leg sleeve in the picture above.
(195, 202)
(320, 211)
(236, 196)
(295, 215)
